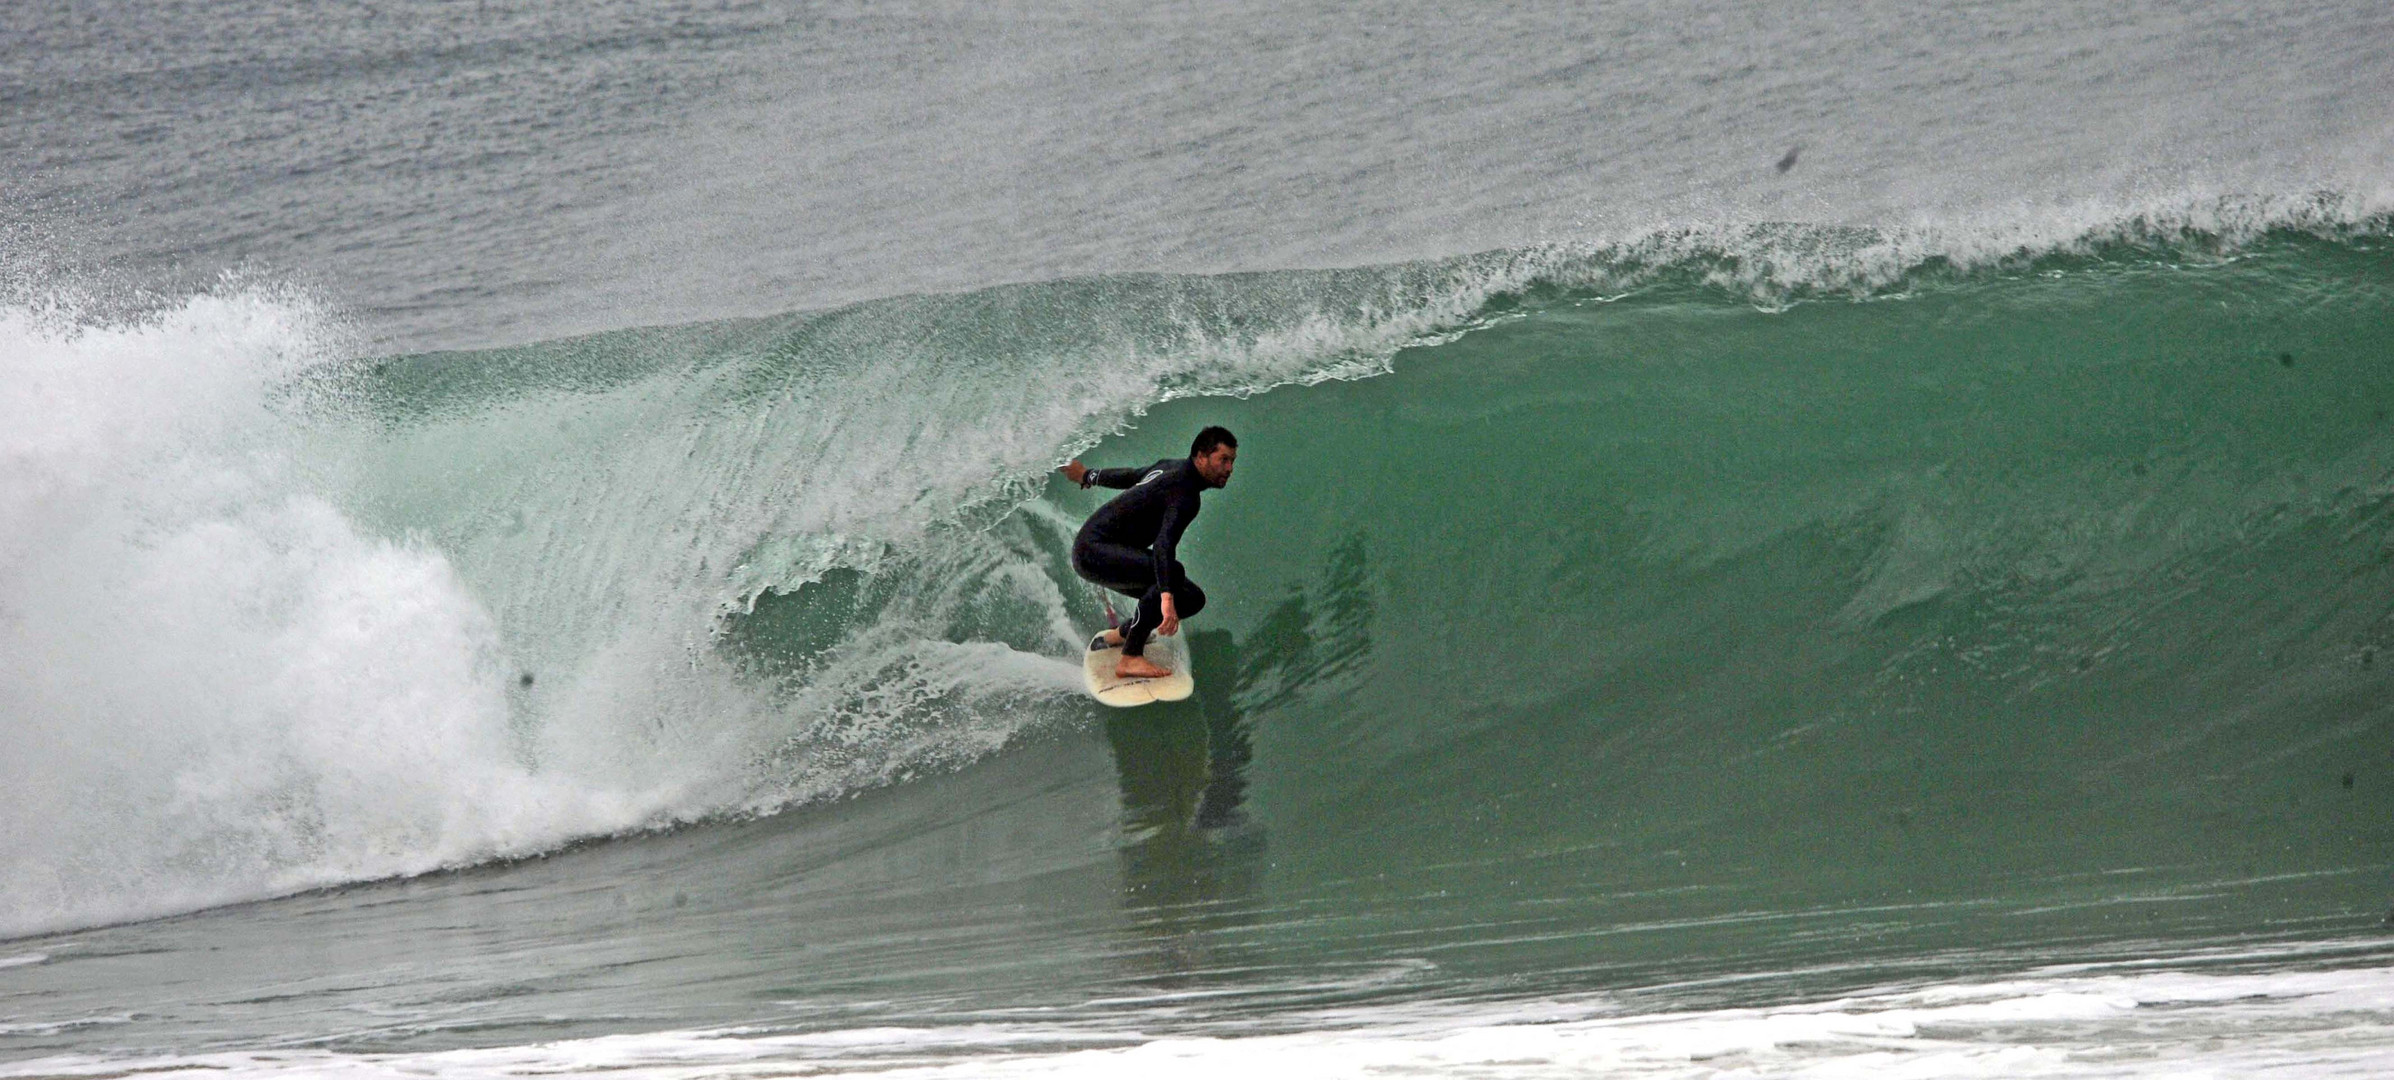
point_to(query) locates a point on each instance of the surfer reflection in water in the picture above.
(1128, 545)
(1192, 858)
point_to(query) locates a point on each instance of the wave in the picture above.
(282, 615)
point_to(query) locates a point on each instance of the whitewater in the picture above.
(528, 540)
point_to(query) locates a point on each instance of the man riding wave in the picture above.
(1129, 544)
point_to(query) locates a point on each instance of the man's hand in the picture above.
(1171, 623)
(1076, 472)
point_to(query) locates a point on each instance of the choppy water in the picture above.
(585, 586)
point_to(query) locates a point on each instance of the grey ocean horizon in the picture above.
(480, 175)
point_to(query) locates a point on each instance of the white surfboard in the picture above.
(1097, 670)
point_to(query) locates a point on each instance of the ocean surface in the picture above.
(1855, 543)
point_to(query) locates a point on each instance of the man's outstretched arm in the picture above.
(1113, 478)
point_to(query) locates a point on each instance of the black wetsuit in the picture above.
(1128, 544)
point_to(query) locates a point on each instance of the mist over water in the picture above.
(1750, 525)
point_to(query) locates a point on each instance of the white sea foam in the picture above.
(54, 1027)
(252, 648)
(218, 686)
(2118, 1024)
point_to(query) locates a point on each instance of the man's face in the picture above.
(1215, 464)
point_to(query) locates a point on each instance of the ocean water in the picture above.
(1766, 544)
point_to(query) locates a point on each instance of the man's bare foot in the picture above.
(1138, 667)
(1113, 639)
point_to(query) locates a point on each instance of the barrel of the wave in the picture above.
(1131, 546)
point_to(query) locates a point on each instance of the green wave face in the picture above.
(1683, 598)
(2036, 603)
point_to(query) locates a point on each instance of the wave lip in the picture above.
(1772, 264)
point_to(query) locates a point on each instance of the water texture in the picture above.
(529, 541)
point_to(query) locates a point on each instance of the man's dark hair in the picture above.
(1212, 437)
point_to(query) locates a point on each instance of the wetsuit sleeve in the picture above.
(1113, 478)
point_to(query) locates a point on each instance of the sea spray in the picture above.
(216, 686)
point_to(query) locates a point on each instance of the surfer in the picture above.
(1129, 543)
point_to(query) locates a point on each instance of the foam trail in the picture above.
(2150, 1024)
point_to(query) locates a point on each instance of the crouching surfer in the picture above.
(1128, 545)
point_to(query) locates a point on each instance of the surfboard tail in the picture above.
(1097, 672)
